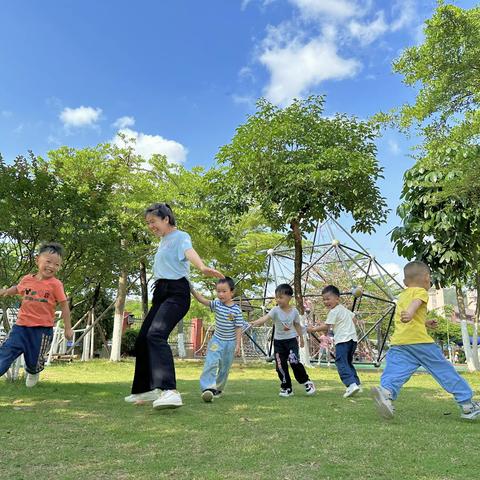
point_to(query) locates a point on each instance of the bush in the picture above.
(128, 342)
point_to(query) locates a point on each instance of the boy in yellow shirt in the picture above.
(411, 347)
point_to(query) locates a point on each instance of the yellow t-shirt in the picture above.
(415, 330)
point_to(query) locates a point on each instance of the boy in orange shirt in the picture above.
(33, 331)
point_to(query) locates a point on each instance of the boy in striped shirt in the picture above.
(226, 339)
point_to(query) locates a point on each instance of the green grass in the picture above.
(75, 425)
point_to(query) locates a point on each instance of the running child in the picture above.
(344, 337)
(287, 325)
(226, 340)
(32, 333)
(412, 347)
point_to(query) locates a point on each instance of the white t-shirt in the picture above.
(343, 327)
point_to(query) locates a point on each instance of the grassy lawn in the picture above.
(75, 425)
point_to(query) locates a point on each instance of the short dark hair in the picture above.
(284, 289)
(51, 247)
(227, 280)
(331, 289)
(162, 210)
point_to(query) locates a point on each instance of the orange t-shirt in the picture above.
(39, 299)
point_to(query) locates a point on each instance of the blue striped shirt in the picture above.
(227, 319)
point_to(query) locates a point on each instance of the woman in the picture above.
(154, 379)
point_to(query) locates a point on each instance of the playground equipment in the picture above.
(334, 256)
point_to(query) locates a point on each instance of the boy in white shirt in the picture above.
(344, 336)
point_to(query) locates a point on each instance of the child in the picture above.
(225, 342)
(344, 337)
(411, 347)
(325, 346)
(33, 331)
(287, 327)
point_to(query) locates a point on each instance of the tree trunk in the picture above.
(297, 276)
(118, 319)
(144, 288)
(463, 323)
(182, 353)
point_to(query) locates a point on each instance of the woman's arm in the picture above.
(194, 258)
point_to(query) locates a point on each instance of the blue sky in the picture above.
(181, 75)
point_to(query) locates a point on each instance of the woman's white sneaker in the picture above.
(145, 397)
(168, 399)
(31, 379)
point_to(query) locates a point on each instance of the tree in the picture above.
(297, 167)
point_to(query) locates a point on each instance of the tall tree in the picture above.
(298, 166)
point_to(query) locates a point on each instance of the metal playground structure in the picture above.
(331, 256)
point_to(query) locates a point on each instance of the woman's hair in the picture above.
(284, 289)
(229, 281)
(161, 210)
(51, 247)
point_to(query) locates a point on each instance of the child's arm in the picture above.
(318, 327)
(432, 323)
(260, 321)
(67, 323)
(238, 343)
(298, 328)
(407, 315)
(6, 292)
(199, 297)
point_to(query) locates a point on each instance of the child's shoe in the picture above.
(310, 387)
(31, 379)
(208, 396)
(351, 390)
(217, 394)
(286, 392)
(383, 401)
(470, 411)
(168, 399)
(145, 397)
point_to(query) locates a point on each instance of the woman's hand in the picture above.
(211, 272)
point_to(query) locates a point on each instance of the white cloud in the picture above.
(148, 145)
(394, 269)
(366, 33)
(333, 8)
(124, 122)
(407, 14)
(394, 147)
(296, 66)
(5, 113)
(247, 100)
(80, 117)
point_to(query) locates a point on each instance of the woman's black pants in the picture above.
(154, 366)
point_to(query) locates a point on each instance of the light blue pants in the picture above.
(404, 360)
(217, 364)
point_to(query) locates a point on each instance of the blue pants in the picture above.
(217, 364)
(33, 342)
(344, 361)
(404, 360)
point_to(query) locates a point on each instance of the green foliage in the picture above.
(128, 342)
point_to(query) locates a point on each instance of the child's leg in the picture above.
(431, 358)
(298, 369)
(345, 371)
(37, 342)
(351, 353)
(401, 365)
(208, 379)
(12, 348)
(226, 361)
(281, 363)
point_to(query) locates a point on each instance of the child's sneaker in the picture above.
(470, 411)
(351, 390)
(310, 387)
(217, 394)
(31, 379)
(208, 396)
(383, 401)
(168, 399)
(286, 392)
(145, 397)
